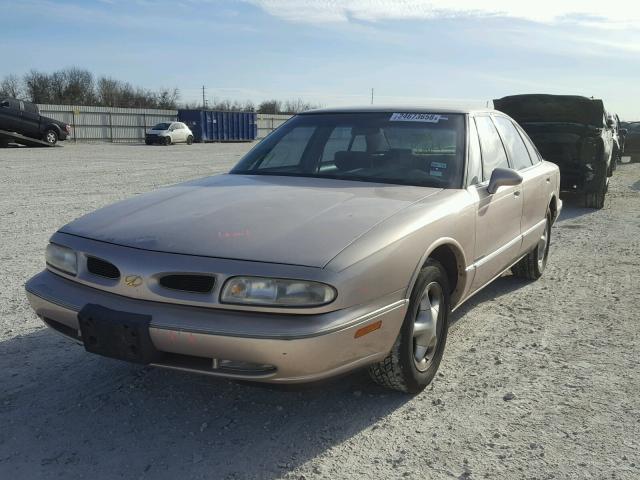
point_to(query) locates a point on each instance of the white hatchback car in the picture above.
(167, 133)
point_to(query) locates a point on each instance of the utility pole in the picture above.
(372, 96)
(204, 100)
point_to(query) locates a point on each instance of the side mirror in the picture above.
(503, 177)
(623, 131)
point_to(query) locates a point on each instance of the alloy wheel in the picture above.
(425, 326)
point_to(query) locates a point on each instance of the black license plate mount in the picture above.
(116, 334)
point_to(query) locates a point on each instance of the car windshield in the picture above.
(162, 126)
(424, 149)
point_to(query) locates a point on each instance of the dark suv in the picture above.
(573, 132)
(24, 118)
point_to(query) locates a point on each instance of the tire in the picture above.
(50, 136)
(166, 141)
(147, 142)
(596, 199)
(532, 266)
(401, 370)
(189, 140)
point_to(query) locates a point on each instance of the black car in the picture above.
(573, 132)
(23, 117)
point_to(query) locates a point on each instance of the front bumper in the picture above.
(154, 139)
(297, 348)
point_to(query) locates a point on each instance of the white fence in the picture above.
(107, 124)
(127, 125)
(267, 123)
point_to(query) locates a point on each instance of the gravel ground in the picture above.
(539, 380)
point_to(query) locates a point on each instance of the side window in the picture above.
(533, 151)
(30, 108)
(474, 160)
(493, 155)
(517, 151)
(288, 151)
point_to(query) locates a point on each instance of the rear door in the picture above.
(498, 239)
(30, 119)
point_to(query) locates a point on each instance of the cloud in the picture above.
(623, 13)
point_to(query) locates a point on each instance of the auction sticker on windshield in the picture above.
(417, 117)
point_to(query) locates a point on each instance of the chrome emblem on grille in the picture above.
(133, 280)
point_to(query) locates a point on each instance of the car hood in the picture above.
(289, 220)
(552, 108)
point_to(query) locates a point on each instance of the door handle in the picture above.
(516, 193)
(548, 179)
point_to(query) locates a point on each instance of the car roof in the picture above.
(399, 109)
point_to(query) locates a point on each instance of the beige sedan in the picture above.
(343, 240)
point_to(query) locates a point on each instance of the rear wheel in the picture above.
(50, 136)
(416, 354)
(189, 140)
(596, 199)
(533, 264)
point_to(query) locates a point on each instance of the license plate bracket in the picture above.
(116, 334)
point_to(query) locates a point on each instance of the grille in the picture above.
(188, 283)
(102, 268)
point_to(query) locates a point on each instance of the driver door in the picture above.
(498, 216)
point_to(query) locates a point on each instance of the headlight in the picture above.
(62, 258)
(276, 292)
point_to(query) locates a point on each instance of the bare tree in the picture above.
(78, 87)
(167, 98)
(37, 87)
(296, 106)
(270, 106)
(11, 86)
(107, 92)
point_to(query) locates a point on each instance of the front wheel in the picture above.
(166, 141)
(50, 136)
(416, 354)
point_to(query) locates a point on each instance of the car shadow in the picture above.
(66, 413)
(573, 207)
(501, 286)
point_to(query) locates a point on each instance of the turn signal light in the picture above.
(372, 327)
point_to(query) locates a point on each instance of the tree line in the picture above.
(77, 86)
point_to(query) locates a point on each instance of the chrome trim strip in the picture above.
(482, 260)
(487, 258)
(537, 225)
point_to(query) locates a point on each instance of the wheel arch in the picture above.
(449, 253)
